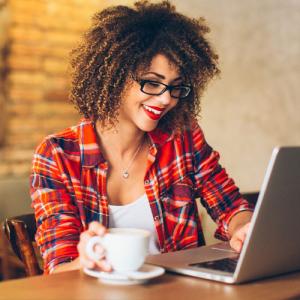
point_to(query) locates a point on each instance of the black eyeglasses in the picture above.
(155, 88)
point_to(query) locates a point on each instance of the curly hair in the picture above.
(123, 41)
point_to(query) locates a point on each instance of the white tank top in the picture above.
(135, 215)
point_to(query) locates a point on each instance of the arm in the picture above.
(60, 231)
(95, 228)
(238, 221)
(238, 228)
(57, 216)
(74, 265)
(218, 193)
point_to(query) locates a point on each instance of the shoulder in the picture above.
(66, 140)
(192, 134)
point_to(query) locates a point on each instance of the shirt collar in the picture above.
(159, 137)
(90, 152)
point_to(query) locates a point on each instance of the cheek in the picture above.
(132, 94)
(173, 104)
(133, 100)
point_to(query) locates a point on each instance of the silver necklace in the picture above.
(125, 172)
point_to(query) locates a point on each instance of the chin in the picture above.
(147, 127)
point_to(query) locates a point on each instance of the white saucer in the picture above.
(145, 273)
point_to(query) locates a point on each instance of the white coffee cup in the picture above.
(125, 248)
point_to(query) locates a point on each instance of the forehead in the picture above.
(160, 64)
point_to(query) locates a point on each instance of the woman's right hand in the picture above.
(94, 229)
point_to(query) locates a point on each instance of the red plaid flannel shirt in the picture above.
(68, 190)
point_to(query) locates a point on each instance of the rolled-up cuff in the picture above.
(222, 231)
(49, 268)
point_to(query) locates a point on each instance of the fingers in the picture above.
(103, 265)
(85, 262)
(238, 238)
(94, 229)
(236, 244)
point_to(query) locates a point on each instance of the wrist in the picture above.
(67, 266)
(239, 220)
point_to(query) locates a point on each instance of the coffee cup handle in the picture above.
(92, 242)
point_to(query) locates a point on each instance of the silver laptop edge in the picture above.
(256, 210)
(248, 268)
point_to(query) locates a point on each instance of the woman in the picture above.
(139, 158)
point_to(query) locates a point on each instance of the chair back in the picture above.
(251, 197)
(20, 232)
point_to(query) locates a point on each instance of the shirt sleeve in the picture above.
(57, 217)
(216, 190)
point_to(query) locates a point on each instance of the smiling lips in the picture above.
(153, 112)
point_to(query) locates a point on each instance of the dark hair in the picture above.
(123, 41)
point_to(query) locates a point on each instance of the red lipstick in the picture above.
(156, 108)
(151, 114)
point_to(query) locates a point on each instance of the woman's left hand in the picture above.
(239, 236)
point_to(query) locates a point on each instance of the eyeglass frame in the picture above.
(142, 83)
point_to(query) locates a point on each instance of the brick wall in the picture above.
(4, 18)
(35, 41)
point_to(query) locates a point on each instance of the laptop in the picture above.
(272, 245)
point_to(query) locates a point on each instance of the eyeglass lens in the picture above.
(156, 88)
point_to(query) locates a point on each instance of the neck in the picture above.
(120, 141)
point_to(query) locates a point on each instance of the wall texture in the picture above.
(252, 107)
(37, 38)
(255, 105)
(4, 19)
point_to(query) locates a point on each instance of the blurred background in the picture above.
(251, 108)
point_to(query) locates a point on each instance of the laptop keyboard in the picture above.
(226, 264)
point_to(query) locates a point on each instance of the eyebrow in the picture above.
(161, 76)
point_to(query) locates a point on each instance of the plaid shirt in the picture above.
(68, 190)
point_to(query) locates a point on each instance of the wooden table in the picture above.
(76, 285)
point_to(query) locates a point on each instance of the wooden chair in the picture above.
(20, 233)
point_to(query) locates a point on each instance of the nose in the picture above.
(165, 98)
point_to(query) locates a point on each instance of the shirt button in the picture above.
(156, 218)
(147, 181)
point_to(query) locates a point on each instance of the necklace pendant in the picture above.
(125, 174)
